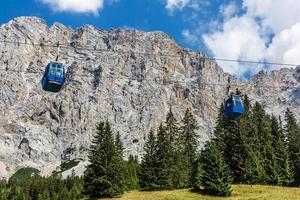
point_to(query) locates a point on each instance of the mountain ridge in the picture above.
(133, 90)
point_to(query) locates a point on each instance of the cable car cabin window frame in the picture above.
(59, 70)
(56, 69)
(54, 75)
(236, 99)
(234, 107)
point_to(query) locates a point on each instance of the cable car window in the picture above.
(59, 72)
(52, 70)
(237, 99)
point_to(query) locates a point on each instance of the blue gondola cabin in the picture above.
(234, 107)
(54, 77)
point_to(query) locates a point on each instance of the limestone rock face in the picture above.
(127, 77)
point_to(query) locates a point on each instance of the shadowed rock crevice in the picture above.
(24, 146)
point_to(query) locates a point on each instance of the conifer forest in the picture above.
(255, 149)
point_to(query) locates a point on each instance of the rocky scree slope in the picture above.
(132, 90)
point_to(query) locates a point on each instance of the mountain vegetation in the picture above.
(257, 148)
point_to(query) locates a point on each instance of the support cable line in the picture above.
(163, 81)
(68, 46)
(58, 68)
(54, 76)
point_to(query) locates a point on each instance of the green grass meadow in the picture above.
(240, 192)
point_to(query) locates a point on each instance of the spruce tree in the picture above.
(196, 175)
(246, 144)
(281, 153)
(229, 139)
(178, 171)
(219, 132)
(149, 165)
(250, 170)
(104, 177)
(266, 153)
(252, 129)
(189, 140)
(120, 150)
(292, 130)
(216, 176)
(132, 168)
(165, 159)
(172, 130)
(119, 144)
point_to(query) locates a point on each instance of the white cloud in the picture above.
(189, 37)
(269, 30)
(239, 39)
(195, 5)
(176, 4)
(285, 46)
(275, 14)
(229, 10)
(76, 6)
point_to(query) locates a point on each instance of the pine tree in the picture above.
(254, 167)
(251, 164)
(120, 151)
(281, 153)
(178, 171)
(264, 146)
(149, 165)
(104, 177)
(219, 132)
(292, 130)
(246, 144)
(165, 159)
(172, 130)
(119, 144)
(196, 175)
(228, 137)
(189, 138)
(216, 177)
(132, 167)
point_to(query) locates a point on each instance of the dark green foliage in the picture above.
(167, 163)
(196, 175)
(68, 165)
(119, 144)
(105, 176)
(216, 176)
(172, 130)
(292, 130)
(132, 169)
(252, 170)
(182, 150)
(149, 165)
(22, 175)
(229, 138)
(253, 149)
(172, 172)
(254, 146)
(281, 153)
(165, 157)
(262, 128)
(40, 188)
(189, 143)
(176, 163)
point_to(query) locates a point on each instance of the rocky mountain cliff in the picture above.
(127, 77)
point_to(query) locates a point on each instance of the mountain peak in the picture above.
(128, 77)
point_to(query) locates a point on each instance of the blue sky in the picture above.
(146, 15)
(232, 29)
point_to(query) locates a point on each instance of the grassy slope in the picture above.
(23, 174)
(240, 192)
